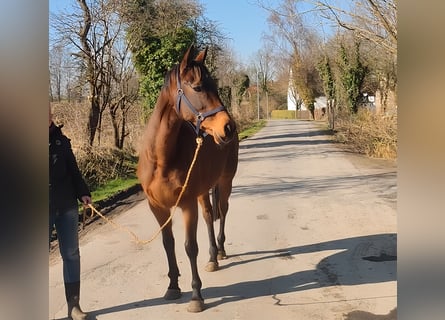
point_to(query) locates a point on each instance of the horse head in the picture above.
(198, 101)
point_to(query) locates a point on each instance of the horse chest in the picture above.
(166, 184)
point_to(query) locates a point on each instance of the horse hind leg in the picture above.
(207, 212)
(173, 291)
(220, 197)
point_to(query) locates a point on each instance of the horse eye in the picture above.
(197, 88)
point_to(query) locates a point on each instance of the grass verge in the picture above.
(113, 187)
(251, 129)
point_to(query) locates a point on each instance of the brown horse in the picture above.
(189, 106)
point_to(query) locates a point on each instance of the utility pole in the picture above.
(257, 95)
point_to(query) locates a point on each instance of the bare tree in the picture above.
(64, 74)
(209, 35)
(372, 20)
(302, 44)
(287, 24)
(265, 68)
(123, 93)
(95, 34)
(55, 72)
(374, 24)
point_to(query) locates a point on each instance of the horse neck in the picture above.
(166, 131)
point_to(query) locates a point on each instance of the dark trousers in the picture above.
(66, 224)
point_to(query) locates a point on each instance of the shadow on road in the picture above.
(360, 260)
(383, 183)
(304, 134)
(283, 142)
(283, 139)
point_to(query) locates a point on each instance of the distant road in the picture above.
(311, 234)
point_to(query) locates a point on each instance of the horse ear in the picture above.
(202, 56)
(188, 58)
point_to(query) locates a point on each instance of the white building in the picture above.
(292, 96)
(292, 100)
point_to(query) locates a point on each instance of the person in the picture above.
(66, 186)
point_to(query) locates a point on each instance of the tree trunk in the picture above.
(331, 117)
(115, 130)
(123, 134)
(93, 120)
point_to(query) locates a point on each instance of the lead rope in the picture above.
(135, 237)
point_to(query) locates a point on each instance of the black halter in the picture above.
(199, 116)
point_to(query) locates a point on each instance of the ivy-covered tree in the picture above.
(159, 33)
(241, 85)
(327, 79)
(352, 75)
(157, 56)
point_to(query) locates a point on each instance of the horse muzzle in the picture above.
(225, 133)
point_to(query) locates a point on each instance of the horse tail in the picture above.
(216, 208)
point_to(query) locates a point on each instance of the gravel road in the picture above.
(311, 234)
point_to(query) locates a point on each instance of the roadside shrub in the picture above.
(282, 114)
(99, 165)
(369, 133)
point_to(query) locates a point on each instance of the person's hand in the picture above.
(86, 200)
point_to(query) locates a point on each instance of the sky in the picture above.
(241, 21)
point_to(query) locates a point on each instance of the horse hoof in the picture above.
(222, 255)
(212, 266)
(196, 306)
(172, 294)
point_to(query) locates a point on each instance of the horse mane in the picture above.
(147, 149)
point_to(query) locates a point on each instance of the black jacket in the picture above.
(66, 184)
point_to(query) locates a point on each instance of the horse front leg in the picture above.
(173, 291)
(190, 214)
(206, 206)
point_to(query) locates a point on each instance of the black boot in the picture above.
(72, 291)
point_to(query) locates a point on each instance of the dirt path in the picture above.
(311, 234)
